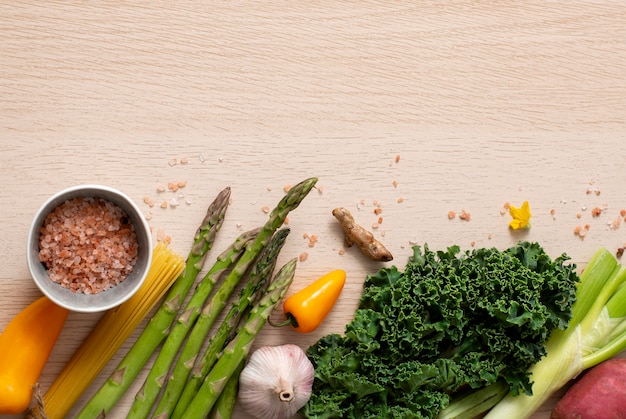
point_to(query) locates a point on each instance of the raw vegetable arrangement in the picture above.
(234, 268)
(454, 334)
(176, 330)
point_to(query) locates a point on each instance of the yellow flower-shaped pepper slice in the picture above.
(521, 216)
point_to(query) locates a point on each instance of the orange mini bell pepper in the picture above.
(306, 309)
(25, 345)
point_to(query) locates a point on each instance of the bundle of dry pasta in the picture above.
(115, 326)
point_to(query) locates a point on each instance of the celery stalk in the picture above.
(614, 347)
(600, 300)
(592, 280)
(596, 326)
(475, 403)
(613, 318)
(617, 303)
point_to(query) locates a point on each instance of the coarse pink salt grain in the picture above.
(88, 245)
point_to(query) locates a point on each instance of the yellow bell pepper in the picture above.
(306, 309)
(25, 345)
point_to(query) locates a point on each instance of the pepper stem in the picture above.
(291, 321)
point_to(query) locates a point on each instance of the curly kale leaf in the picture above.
(451, 321)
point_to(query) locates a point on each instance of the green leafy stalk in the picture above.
(614, 347)
(158, 327)
(597, 335)
(474, 403)
(616, 310)
(225, 404)
(592, 280)
(617, 303)
(237, 350)
(605, 331)
(258, 277)
(148, 393)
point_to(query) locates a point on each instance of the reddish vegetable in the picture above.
(306, 309)
(25, 346)
(600, 393)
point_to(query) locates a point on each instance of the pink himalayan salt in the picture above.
(88, 245)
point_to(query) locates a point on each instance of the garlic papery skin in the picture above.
(276, 382)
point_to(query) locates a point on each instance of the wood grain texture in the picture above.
(485, 103)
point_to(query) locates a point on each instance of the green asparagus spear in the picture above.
(173, 342)
(203, 366)
(258, 279)
(158, 327)
(211, 311)
(238, 349)
(224, 334)
(225, 404)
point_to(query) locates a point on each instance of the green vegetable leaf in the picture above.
(451, 321)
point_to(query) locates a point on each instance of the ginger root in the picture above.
(365, 240)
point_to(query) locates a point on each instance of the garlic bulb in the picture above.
(276, 382)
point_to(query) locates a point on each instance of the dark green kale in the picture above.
(451, 322)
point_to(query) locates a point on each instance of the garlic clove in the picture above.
(276, 382)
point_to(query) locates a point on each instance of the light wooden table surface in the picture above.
(484, 103)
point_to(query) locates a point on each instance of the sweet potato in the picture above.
(598, 394)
